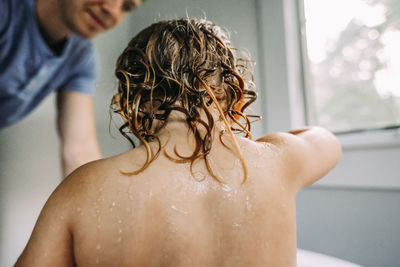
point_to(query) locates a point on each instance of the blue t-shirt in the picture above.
(30, 70)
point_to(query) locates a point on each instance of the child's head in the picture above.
(185, 65)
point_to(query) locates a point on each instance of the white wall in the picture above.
(29, 171)
(358, 225)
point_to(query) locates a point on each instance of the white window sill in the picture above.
(370, 139)
(370, 160)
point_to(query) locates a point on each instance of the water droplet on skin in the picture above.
(248, 205)
(260, 150)
(113, 204)
(226, 188)
(98, 247)
(238, 163)
(201, 188)
(258, 165)
(130, 192)
(236, 225)
(178, 210)
(266, 145)
(198, 176)
(120, 231)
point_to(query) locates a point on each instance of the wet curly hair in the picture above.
(183, 65)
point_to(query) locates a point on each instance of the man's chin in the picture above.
(88, 34)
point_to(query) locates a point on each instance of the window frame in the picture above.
(282, 57)
(349, 139)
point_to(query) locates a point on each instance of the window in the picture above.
(352, 59)
(370, 158)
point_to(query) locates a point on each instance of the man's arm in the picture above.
(77, 130)
(308, 154)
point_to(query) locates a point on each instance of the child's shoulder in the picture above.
(307, 154)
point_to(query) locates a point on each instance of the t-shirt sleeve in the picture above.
(84, 72)
(5, 12)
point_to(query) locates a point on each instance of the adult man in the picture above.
(44, 48)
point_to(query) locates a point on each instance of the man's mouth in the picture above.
(97, 20)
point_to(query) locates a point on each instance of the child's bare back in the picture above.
(164, 217)
(206, 199)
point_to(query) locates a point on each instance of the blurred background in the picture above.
(334, 63)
